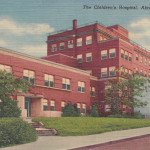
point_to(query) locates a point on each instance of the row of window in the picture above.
(112, 54)
(128, 73)
(126, 55)
(52, 106)
(112, 71)
(49, 79)
(142, 60)
(70, 44)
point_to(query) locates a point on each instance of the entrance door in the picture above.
(28, 106)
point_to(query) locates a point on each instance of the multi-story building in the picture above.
(78, 63)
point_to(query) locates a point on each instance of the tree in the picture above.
(127, 92)
(9, 85)
(94, 111)
(69, 111)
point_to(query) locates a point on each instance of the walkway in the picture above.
(70, 142)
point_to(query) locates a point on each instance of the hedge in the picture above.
(16, 131)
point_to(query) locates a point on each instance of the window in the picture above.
(79, 107)
(145, 61)
(93, 91)
(66, 84)
(141, 59)
(107, 108)
(88, 57)
(29, 76)
(54, 48)
(141, 72)
(124, 108)
(49, 80)
(52, 105)
(126, 72)
(130, 57)
(70, 44)
(122, 70)
(145, 74)
(112, 71)
(81, 87)
(130, 74)
(100, 38)
(62, 46)
(112, 53)
(45, 104)
(103, 54)
(137, 57)
(122, 53)
(7, 69)
(79, 58)
(84, 108)
(126, 55)
(62, 105)
(103, 72)
(88, 40)
(79, 42)
(137, 71)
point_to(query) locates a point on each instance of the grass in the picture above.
(76, 126)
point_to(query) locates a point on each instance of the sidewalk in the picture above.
(70, 142)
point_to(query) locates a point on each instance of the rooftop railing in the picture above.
(91, 23)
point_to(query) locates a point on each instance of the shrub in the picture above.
(94, 111)
(9, 108)
(137, 115)
(15, 131)
(69, 111)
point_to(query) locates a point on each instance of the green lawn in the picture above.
(71, 126)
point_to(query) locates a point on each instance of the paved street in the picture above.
(71, 142)
(135, 143)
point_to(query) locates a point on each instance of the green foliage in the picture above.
(15, 131)
(77, 126)
(126, 91)
(69, 111)
(8, 86)
(136, 115)
(94, 111)
(9, 108)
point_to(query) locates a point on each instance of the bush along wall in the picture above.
(15, 131)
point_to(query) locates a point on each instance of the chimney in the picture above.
(74, 24)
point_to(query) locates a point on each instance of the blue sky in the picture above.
(25, 24)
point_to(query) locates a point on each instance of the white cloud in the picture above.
(3, 43)
(38, 50)
(140, 32)
(12, 27)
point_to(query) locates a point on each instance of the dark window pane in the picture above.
(46, 83)
(112, 55)
(83, 89)
(26, 78)
(68, 87)
(84, 110)
(51, 84)
(122, 55)
(88, 59)
(104, 57)
(64, 86)
(52, 108)
(32, 80)
(79, 88)
(45, 107)
(80, 60)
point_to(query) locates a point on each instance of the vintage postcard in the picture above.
(74, 74)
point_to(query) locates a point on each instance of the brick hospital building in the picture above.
(78, 63)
